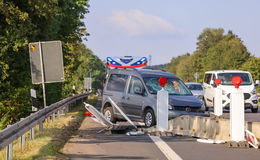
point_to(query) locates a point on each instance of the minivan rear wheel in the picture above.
(109, 114)
(149, 118)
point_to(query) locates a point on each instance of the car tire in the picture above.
(254, 110)
(149, 118)
(206, 107)
(109, 114)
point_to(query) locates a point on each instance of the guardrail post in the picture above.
(58, 114)
(9, 152)
(63, 111)
(68, 107)
(53, 116)
(22, 141)
(32, 133)
(40, 126)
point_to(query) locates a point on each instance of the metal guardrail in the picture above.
(13, 132)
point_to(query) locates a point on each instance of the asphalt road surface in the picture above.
(89, 144)
(249, 116)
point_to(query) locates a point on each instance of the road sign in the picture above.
(34, 100)
(87, 84)
(46, 62)
(196, 76)
(251, 138)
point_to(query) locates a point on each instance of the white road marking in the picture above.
(164, 147)
(166, 150)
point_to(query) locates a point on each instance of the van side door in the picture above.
(134, 98)
(208, 90)
(115, 89)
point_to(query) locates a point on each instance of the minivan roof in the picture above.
(227, 71)
(143, 72)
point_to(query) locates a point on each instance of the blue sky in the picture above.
(166, 28)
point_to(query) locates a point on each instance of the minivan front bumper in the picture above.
(250, 101)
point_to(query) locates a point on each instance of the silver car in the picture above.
(196, 89)
(134, 91)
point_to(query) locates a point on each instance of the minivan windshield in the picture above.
(226, 78)
(174, 86)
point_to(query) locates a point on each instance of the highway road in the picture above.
(89, 144)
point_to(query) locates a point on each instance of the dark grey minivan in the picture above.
(134, 91)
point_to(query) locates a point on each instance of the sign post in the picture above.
(42, 73)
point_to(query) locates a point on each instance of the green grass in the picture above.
(47, 144)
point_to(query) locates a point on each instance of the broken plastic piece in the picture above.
(135, 133)
(212, 141)
(100, 117)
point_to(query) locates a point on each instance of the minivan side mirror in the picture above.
(256, 83)
(212, 83)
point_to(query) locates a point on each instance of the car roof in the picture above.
(227, 71)
(142, 72)
(193, 83)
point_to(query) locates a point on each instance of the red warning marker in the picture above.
(162, 81)
(87, 113)
(237, 80)
(218, 81)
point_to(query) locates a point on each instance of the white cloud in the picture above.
(136, 22)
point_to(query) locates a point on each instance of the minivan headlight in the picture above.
(170, 107)
(253, 91)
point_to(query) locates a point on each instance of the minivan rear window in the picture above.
(226, 78)
(117, 82)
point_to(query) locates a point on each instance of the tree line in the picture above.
(216, 50)
(28, 21)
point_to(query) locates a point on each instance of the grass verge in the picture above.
(47, 144)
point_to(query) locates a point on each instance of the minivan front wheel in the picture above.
(109, 114)
(149, 118)
(254, 110)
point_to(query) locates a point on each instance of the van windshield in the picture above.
(174, 86)
(226, 78)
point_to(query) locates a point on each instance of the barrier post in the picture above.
(162, 106)
(218, 108)
(237, 112)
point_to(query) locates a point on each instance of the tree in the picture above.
(209, 38)
(184, 69)
(215, 51)
(27, 21)
(172, 66)
(252, 66)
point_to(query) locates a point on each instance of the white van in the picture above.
(248, 86)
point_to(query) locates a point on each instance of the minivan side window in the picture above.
(207, 78)
(117, 82)
(136, 85)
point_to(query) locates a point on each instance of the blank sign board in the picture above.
(47, 56)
